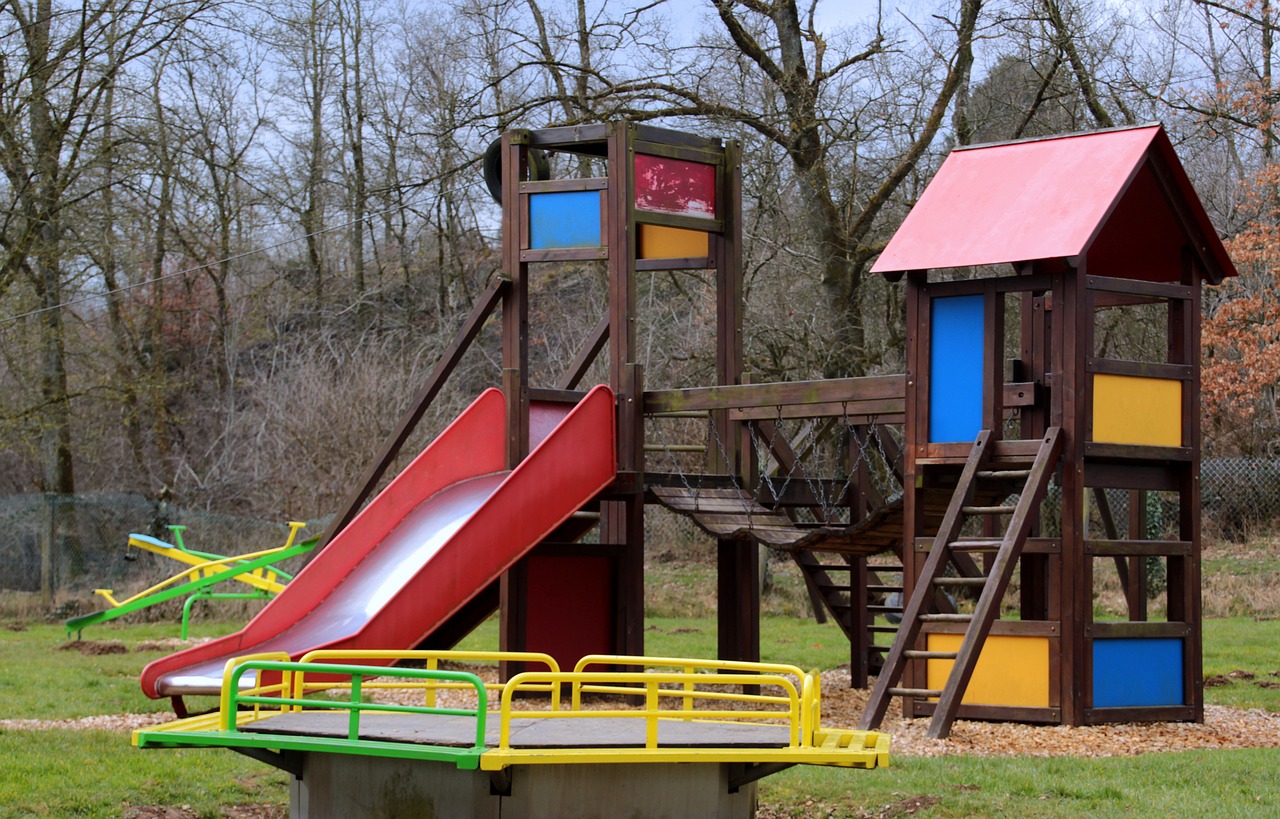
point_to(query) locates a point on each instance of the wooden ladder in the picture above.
(1034, 478)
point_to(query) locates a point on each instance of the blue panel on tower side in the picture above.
(1137, 671)
(567, 219)
(955, 368)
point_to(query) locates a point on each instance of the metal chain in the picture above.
(694, 492)
(724, 458)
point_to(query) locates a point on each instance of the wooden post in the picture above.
(1073, 325)
(915, 432)
(622, 522)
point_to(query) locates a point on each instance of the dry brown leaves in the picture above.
(1223, 727)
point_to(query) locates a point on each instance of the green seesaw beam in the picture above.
(269, 579)
(202, 577)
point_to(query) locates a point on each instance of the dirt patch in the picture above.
(184, 812)
(94, 648)
(158, 812)
(907, 807)
(168, 644)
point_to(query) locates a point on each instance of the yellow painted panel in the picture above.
(1011, 670)
(1132, 410)
(662, 242)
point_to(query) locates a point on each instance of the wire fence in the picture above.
(60, 547)
(65, 546)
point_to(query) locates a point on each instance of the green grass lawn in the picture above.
(98, 774)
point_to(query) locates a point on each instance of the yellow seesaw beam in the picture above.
(261, 578)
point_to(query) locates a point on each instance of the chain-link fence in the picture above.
(59, 546)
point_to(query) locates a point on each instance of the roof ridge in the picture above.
(1052, 137)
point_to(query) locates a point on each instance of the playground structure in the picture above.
(257, 570)
(1044, 235)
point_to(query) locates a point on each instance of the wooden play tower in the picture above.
(1087, 224)
(670, 201)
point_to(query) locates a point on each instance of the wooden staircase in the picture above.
(980, 475)
(830, 558)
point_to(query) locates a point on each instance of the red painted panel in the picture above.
(675, 186)
(571, 607)
(357, 593)
(1141, 238)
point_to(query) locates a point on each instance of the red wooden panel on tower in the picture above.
(675, 186)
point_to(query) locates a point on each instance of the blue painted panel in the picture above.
(567, 219)
(955, 369)
(1137, 671)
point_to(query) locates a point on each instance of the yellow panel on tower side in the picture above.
(1012, 670)
(1130, 409)
(662, 242)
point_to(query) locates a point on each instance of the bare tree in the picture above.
(771, 70)
(61, 61)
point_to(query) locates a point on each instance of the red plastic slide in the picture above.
(448, 525)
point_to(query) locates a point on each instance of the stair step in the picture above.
(988, 510)
(883, 609)
(883, 629)
(883, 589)
(946, 618)
(830, 584)
(914, 692)
(912, 654)
(960, 581)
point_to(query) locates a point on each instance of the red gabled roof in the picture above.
(1114, 195)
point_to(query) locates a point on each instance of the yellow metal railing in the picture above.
(431, 660)
(686, 688)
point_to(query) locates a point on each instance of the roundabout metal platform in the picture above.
(636, 736)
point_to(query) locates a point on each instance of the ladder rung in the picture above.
(914, 692)
(988, 510)
(884, 608)
(946, 618)
(883, 629)
(881, 589)
(960, 581)
(975, 545)
(1004, 474)
(831, 567)
(912, 654)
